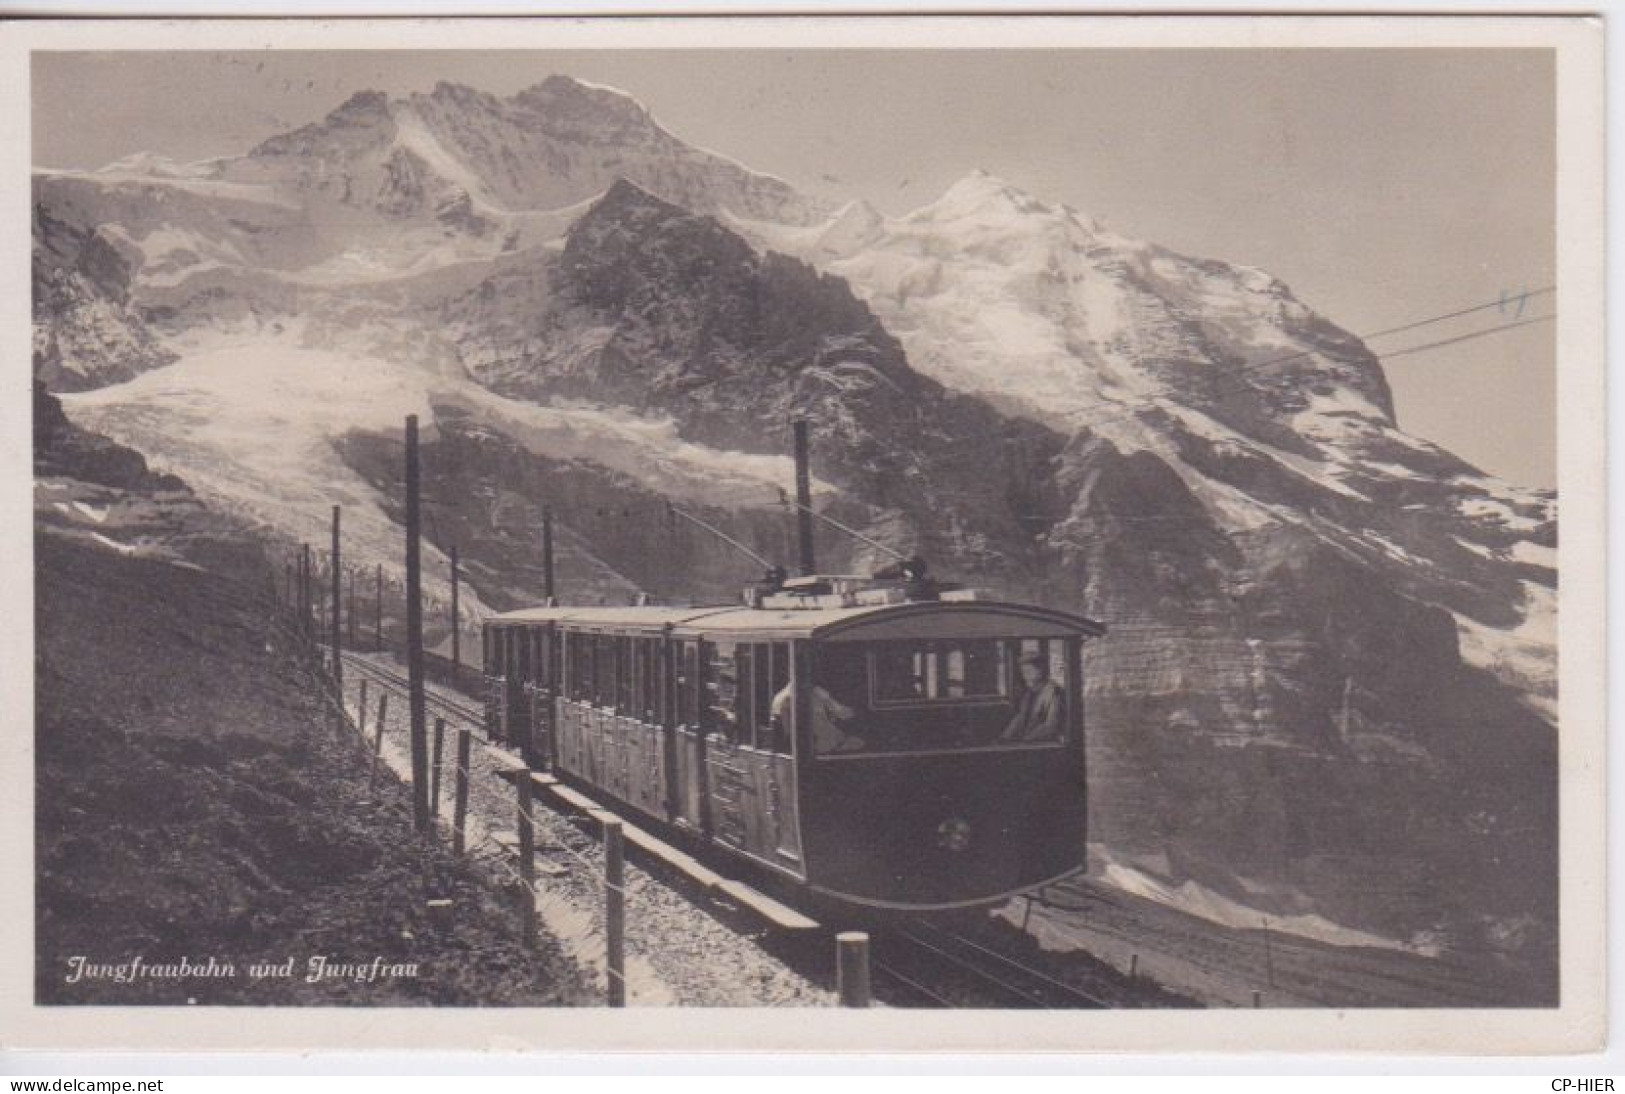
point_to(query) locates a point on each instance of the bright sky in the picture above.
(1383, 186)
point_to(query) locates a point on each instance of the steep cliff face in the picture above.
(86, 332)
(1329, 682)
(656, 308)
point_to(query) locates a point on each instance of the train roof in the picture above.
(913, 618)
(636, 616)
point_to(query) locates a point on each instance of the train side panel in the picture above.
(709, 724)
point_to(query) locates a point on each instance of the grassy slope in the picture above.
(192, 800)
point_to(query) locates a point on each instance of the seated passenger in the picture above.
(1040, 713)
(826, 713)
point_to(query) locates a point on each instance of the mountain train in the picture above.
(873, 743)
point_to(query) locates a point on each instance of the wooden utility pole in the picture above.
(548, 590)
(439, 750)
(804, 525)
(1269, 958)
(338, 605)
(304, 590)
(465, 740)
(527, 858)
(351, 626)
(615, 909)
(456, 627)
(414, 632)
(378, 610)
(378, 737)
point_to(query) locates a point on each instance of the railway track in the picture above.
(923, 965)
(390, 678)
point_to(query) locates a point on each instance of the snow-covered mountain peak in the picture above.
(982, 196)
(560, 94)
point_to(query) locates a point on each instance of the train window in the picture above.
(647, 686)
(971, 670)
(585, 650)
(744, 708)
(688, 686)
(761, 691)
(638, 692)
(1042, 710)
(602, 679)
(661, 686)
(650, 689)
(622, 698)
(631, 656)
(722, 681)
(1052, 651)
(631, 677)
(772, 697)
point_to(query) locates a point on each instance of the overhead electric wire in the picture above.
(784, 499)
(1470, 336)
(677, 510)
(1246, 370)
(1519, 299)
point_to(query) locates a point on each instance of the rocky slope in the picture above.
(1329, 685)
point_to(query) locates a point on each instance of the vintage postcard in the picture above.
(1013, 534)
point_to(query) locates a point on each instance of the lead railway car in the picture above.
(870, 749)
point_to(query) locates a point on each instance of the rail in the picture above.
(398, 680)
(948, 970)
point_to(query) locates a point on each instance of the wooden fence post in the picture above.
(361, 711)
(527, 858)
(852, 968)
(414, 633)
(615, 909)
(336, 632)
(378, 738)
(434, 769)
(459, 815)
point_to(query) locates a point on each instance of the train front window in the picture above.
(941, 695)
(904, 673)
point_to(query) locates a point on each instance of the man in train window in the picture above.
(1040, 712)
(826, 712)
